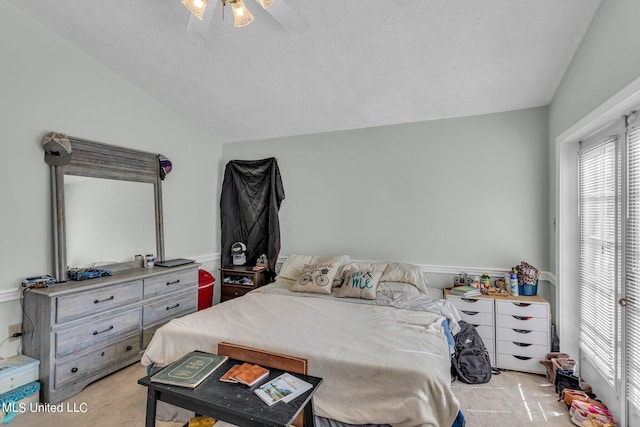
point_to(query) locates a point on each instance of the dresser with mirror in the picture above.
(106, 209)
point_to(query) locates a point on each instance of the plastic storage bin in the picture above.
(205, 289)
(527, 290)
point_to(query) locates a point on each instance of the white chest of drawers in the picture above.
(82, 331)
(480, 312)
(515, 329)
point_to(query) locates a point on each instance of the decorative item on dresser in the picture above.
(515, 329)
(238, 280)
(83, 331)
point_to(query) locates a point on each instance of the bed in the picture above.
(383, 353)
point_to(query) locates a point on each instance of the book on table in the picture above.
(465, 290)
(190, 370)
(285, 388)
(245, 373)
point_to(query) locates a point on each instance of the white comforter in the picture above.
(380, 364)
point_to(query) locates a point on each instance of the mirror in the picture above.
(107, 206)
(108, 221)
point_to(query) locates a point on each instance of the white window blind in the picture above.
(599, 252)
(632, 262)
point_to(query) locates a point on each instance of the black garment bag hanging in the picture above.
(251, 196)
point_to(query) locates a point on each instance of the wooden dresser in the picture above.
(82, 331)
(515, 329)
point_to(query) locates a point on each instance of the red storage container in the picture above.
(205, 289)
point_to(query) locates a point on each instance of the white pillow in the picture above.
(317, 278)
(391, 287)
(359, 284)
(292, 267)
(405, 273)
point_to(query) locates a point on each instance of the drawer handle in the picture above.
(521, 304)
(129, 347)
(521, 344)
(175, 306)
(522, 317)
(175, 282)
(102, 354)
(74, 370)
(469, 300)
(102, 332)
(521, 357)
(470, 313)
(522, 331)
(96, 301)
(236, 293)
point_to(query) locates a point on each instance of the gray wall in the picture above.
(606, 61)
(461, 192)
(49, 85)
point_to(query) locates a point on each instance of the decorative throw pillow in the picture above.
(405, 273)
(291, 269)
(359, 284)
(316, 278)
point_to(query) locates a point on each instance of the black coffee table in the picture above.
(230, 402)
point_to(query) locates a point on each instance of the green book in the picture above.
(190, 370)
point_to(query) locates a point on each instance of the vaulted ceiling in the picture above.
(359, 63)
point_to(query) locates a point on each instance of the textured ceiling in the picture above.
(360, 63)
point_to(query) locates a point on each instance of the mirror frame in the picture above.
(98, 160)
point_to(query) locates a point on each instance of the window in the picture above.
(599, 269)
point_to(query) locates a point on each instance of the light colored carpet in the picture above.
(510, 399)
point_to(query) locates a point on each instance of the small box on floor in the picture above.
(17, 371)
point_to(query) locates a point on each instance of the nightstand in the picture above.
(237, 280)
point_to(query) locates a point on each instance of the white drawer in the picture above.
(536, 351)
(522, 322)
(492, 357)
(485, 332)
(520, 363)
(476, 318)
(472, 304)
(522, 335)
(522, 309)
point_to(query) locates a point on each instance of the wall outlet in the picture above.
(14, 329)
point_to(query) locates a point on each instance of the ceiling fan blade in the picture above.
(288, 17)
(194, 25)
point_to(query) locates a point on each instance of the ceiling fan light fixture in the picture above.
(265, 3)
(241, 15)
(196, 7)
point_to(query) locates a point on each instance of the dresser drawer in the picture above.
(96, 333)
(128, 347)
(485, 332)
(87, 303)
(171, 282)
(168, 308)
(230, 291)
(472, 304)
(522, 309)
(522, 349)
(522, 335)
(477, 319)
(81, 367)
(522, 322)
(520, 363)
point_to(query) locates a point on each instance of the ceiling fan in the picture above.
(202, 12)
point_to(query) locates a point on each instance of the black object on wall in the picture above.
(252, 192)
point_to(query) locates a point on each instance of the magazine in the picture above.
(285, 387)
